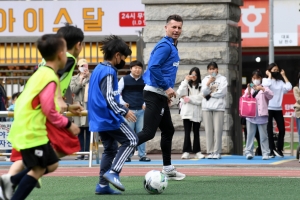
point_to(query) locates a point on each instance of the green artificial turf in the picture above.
(200, 188)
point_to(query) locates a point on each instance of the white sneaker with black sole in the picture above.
(173, 174)
(249, 156)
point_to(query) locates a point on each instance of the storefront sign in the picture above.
(34, 18)
(255, 23)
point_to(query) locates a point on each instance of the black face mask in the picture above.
(120, 65)
(275, 75)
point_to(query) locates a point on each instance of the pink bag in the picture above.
(247, 107)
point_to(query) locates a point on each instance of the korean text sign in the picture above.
(4, 131)
(34, 18)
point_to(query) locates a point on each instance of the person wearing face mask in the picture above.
(106, 115)
(260, 121)
(78, 86)
(279, 88)
(214, 89)
(191, 112)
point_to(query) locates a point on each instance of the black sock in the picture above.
(25, 187)
(18, 177)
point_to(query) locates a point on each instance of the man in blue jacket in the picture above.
(160, 79)
(105, 115)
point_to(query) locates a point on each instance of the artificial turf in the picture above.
(196, 187)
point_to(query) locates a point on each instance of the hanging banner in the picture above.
(34, 18)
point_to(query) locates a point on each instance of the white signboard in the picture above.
(286, 22)
(4, 130)
(34, 18)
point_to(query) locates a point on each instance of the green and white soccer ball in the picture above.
(155, 182)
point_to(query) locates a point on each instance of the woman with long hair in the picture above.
(191, 100)
(279, 88)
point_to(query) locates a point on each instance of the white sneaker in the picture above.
(210, 156)
(174, 174)
(199, 155)
(217, 156)
(185, 155)
(7, 159)
(6, 186)
(136, 153)
(249, 156)
(265, 158)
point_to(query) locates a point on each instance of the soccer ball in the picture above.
(155, 182)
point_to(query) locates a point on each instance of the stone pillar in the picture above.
(210, 33)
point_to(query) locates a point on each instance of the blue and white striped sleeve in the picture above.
(106, 87)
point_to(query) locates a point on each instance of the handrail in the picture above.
(67, 114)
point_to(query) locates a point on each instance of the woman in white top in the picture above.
(279, 88)
(296, 91)
(191, 99)
(214, 89)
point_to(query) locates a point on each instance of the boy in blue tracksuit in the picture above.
(160, 79)
(105, 115)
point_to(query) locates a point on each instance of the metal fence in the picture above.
(94, 141)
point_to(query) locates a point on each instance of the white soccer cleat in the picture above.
(7, 186)
(174, 174)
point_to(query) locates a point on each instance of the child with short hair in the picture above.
(36, 104)
(105, 115)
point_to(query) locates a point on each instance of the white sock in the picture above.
(112, 172)
(168, 168)
(102, 185)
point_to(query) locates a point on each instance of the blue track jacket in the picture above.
(163, 65)
(105, 111)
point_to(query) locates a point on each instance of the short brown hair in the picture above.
(176, 18)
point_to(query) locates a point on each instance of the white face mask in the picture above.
(256, 82)
(81, 69)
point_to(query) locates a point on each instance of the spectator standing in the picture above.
(279, 88)
(214, 89)
(78, 87)
(260, 121)
(131, 89)
(11, 108)
(296, 92)
(191, 112)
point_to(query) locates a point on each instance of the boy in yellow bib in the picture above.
(36, 104)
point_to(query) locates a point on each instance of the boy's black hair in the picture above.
(71, 34)
(135, 63)
(176, 18)
(198, 80)
(15, 95)
(113, 44)
(49, 44)
(214, 64)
